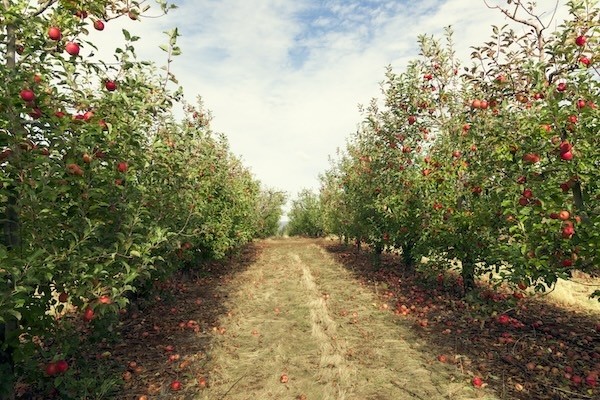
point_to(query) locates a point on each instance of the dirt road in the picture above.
(301, 326)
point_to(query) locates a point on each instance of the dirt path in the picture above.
(299, 317)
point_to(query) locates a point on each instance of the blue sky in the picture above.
(283, 78)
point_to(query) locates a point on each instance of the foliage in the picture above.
(496, 167)
(102, 191)
(270, 210)
(305, 215)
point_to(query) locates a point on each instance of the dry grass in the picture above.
(298, 313)
(575, 294)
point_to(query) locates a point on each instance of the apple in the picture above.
(86, 158)
(51, 369)
(523, 201)
(476, 104)
(567, 156)
(566, 263)
(580, 103)
(412, 119)
(202, 382)
(531, 158)
(477, 381)
(111, 86)
(74, 169)
(561, 87)
(584, 60)
(484, 104)
(580, 41)
(564, 215)
(88, 315)
(527, 193)
(175, 385)
(88, 115)
(62, 366)
(99, 25)
(565, 146)
(283, 378)
(72, 48)
(104, 299)
(27, 95)
(503, 319)
(573, 119)
(568, 231)
(63, 297)
(122, 167)
(54, 33)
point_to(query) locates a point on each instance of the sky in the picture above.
(284, 78)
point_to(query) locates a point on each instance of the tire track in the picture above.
(333, 368)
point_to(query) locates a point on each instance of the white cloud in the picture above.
(284, 78)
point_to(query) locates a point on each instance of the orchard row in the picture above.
(102, 189)
(495, 164)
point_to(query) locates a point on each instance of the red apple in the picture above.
(88, 115)
(88, 315)
(72, 48)
(104, 299)
(565, 146)
(27, 95)
(564, 215)
(63, 297)
(531, 158)
(54, 33)
(51, 369)
(477, 381)
(580, 40)
(568, 231)
(99, 25)
(527, 193)
(476, 104)
(584, 60)
(74, 169)
(62, 366)
(412, 119)
(110, 86)
(122, 167)
(580, 103)
(561, 87)
(567, 156)
(175, 385)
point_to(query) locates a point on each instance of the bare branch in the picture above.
(43, 7)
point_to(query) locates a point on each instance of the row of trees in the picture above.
(495, 164)
(102, 189)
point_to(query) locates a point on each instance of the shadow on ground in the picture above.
(521, 348)
(167, 338)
